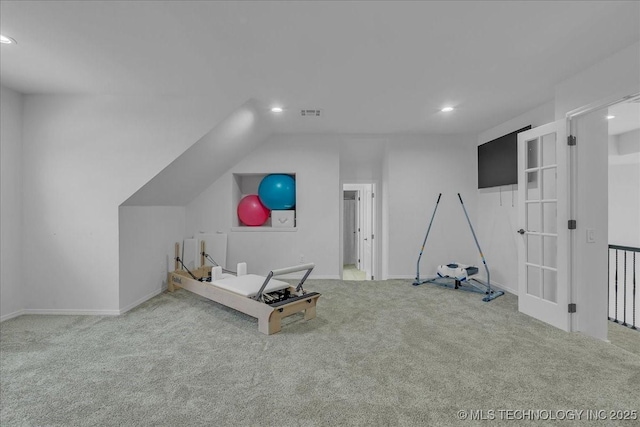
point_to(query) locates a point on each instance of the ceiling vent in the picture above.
(310, 113)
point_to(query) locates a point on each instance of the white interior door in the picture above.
(543, 249)
(349, 230)
(368, 232)
(359, 244)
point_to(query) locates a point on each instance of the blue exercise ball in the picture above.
(278, 191)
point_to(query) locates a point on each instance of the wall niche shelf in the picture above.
(244, 184)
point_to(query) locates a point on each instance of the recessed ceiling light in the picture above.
(276, 109)
(447, 109)
(7, 40)
(611, 117)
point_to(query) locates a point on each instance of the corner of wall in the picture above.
(12, 292)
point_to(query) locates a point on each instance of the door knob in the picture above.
(521, 231)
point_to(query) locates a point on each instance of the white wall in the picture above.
(361, 162)
(83, 156)
(615, 76)
(590, 272)
(418, 168)
(147, 249)
(206, 160)
(11, 230)
(497, 217)
(361, 158)
(384, 220)
(628, 144)
(624, 204)
(315, 161)
(148, 234)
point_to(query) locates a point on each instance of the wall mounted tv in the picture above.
(498, 161)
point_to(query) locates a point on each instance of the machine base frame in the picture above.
(269, 318)
(471, 285)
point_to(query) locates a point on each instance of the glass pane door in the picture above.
(541, 217)
(543, 255)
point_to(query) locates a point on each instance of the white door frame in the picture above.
(575, 248)
(360, 187)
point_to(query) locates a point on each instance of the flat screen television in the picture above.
(498, 161)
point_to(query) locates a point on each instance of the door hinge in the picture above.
(373, 195)
(372, 236)
(572, 224)
(571, 140)
(572, 308)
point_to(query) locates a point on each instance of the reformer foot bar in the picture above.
(265, 298)
(464, 280)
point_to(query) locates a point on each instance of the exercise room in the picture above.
(319, 213)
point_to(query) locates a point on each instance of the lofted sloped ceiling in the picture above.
(206, 160)
(372, 67)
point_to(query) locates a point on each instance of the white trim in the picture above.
(326, 277)
(608, 101)
(12, 315)
(71, 312)
(74, 312)
(401, 276)
(500, 286)
(141, 300)
(376, 206)
(313, 276)
(497, 285)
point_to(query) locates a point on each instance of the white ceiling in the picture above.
(372, 67)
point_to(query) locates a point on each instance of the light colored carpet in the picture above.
(379, 353)
(350, 272)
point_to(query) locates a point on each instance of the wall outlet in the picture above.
(591, 235)
(301, 258)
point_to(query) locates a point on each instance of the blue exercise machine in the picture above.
(458, 276)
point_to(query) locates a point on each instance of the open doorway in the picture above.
(596, 143)
(358, 231)
(623, 120)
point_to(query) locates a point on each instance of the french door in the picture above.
(543, 202)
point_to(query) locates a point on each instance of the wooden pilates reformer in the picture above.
(267, 299)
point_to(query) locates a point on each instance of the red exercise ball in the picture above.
(251, 211)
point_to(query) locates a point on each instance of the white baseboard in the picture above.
(71, 312)
(312, 277)
(141, 300)
(500, 286)
(506, 288)
(326, 277)
(12, 315)
(74, 312)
